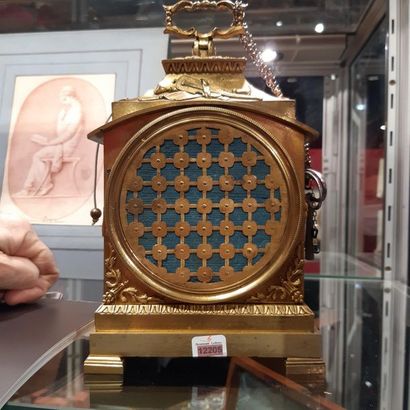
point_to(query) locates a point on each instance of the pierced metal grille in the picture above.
(204, 204)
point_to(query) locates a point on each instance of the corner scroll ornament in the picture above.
(291, 287)
(117, 289)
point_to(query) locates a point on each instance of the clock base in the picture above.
(265, 330)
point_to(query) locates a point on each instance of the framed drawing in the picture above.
(55, 89)
(49, 170)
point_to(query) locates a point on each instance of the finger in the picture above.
(17, 238)
(45, 261)
(17, 272)
(34, 249)
(12, 233)
(50, 278)
(17, 296)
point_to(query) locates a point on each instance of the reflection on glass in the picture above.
(80, 289)
(350, 323)
(308, 93)
(264, 17)
(366, 151)
(267, 394)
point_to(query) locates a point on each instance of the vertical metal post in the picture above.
(396, 219)
(335, 114)
(332, 291)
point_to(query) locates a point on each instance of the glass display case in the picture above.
(346, 65)
(367, 151)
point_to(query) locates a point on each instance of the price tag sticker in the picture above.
(209, 346)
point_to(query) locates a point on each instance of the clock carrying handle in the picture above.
(203, 45)
(236, 8)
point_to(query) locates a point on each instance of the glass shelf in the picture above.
(349, 315)
(161, 383)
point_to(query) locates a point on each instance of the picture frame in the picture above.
(132, 56)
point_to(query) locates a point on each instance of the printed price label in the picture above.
(209, 346)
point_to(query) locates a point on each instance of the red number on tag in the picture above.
(210, 350)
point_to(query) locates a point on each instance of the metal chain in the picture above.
(255, 55)
(308, 158)
(315, 233)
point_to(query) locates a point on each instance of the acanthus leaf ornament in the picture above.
(294, 277)
(273, 294)
(131, 295)
(291, 288)
(118, 290)
(294, 281)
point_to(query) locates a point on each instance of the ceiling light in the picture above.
(319, 28)
(269, 55)
(279, 23)
(383, 127)
(360, 107)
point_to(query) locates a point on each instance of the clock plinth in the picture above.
(157, 330)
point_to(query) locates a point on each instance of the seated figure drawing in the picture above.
(49, 159)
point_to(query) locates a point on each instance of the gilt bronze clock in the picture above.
(207, 200)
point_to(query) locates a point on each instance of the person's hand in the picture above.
(27, 266)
